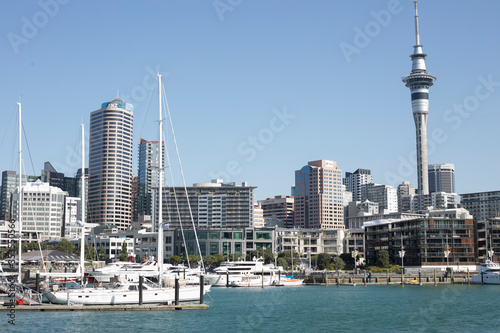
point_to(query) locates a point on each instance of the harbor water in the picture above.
(445, 308)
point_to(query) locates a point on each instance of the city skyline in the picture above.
(256, 91)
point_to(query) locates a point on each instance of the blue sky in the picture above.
(257, 88)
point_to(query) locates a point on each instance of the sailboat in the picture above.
(125, 291)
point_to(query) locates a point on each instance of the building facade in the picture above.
(207, 205)
(278, 210)
(482, 205)
(42, 210)
(385, 195)
(424, 240)
(318, 196)
(110, 164)
(354, 180)
(442, 178)
(147, 176)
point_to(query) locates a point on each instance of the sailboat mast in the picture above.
(20, 208)
(82, 236)
(160, 185)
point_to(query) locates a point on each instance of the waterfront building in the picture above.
(354, 180)
(208, 205)
(258, 217)
(354, 241)
(110, 164)
(488, 239)
(318, 196)
(385, 195)
(279, 210)
(358, 208)
(425, 241)
(110, 239)
(148, 175)
(442, 178)
(42, 210)
(309, 242)
(419, 82)
(482, 205)
(356, 222)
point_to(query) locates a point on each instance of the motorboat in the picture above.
(235, 271)
(123, 293)
(252, 281)
(288, 282)
(488, 273)
(105, 274)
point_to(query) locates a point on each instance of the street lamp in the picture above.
(355, 256)
(309, 251)
(402, 253)
(447, 253)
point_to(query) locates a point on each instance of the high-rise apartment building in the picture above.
(354, 180)
(147, 176)
(419, 82)
(10, 181)
(442, 178)
(385, 195)
(42, 210)
(110, 164)
(482, 205)
(212, 205)
(278, 210)
(318, 196)
(405, 192)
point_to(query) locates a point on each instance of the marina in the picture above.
(445, 308)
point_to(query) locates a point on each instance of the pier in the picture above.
(57, 307)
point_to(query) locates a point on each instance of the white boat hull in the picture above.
(102, 296)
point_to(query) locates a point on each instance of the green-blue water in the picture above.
(297, 309)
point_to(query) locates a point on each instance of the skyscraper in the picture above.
(110, 164)
(442, 178)
(148, 175)
(318, 196)
(354, 180)
(419, 82)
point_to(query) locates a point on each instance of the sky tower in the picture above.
(419, 82)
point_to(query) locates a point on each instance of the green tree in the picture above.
(383, 259)
(339, 263)
(101, 254)
(347, 258)
(90, 252)
(65, 246)
(218, 258)
(283, 263)
(288, 257)
(193, 260)
(124, 252)
(235, 256)
(175, 260)
(324, 259)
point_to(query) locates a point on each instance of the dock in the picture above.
(57, 307)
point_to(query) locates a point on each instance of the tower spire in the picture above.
(419, 82)
(417, 32)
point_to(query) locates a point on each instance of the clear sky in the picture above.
(257, 88)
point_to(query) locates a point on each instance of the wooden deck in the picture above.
(55, 307)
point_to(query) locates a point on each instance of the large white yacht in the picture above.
(148, 269)
(240, 271)
(489, 273)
